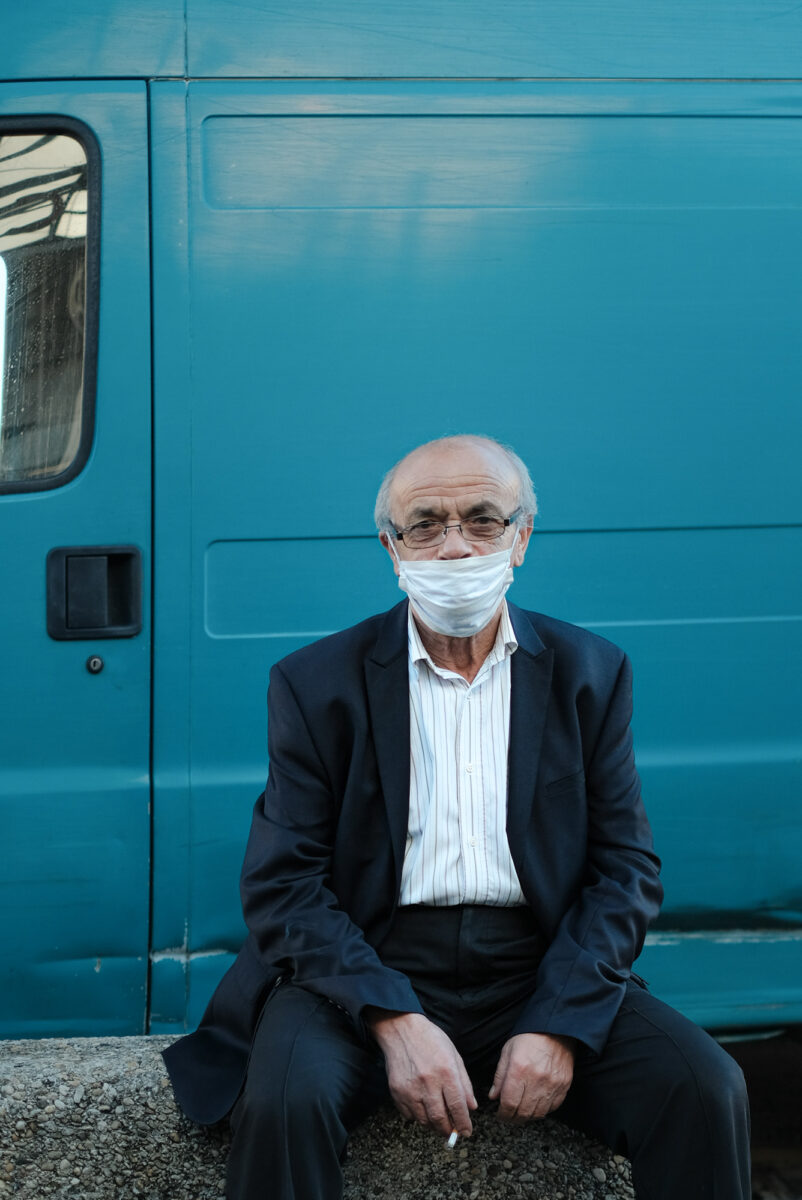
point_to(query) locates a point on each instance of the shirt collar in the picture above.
(505, 644)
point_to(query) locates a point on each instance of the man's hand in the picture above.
(426, 1075)
(533, 1076)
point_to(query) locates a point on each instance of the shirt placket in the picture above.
(469, 775)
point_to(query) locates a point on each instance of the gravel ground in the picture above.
(390, 1159)
(94, 1119)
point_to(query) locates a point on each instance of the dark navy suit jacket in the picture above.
(322, 870)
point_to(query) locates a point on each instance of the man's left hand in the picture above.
(533, 1076)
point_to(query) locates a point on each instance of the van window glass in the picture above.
(43, 222)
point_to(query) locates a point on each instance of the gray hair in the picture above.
(526, 503)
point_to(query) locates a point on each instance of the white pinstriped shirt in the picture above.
(457, 850)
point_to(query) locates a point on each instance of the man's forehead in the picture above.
(463, 472)
(465, 479)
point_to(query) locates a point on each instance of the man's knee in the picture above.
(697, 1076)
(666, 1061)
(281, 1101)
(307, 1064)
(723, 1087)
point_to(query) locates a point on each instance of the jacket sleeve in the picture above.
(294, 917)
(582, 977)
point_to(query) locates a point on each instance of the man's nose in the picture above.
(454, 544)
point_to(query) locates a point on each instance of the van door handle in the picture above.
(94, 592)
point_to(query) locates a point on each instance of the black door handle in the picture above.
(94, 592)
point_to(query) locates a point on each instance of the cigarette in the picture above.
(452, 1141)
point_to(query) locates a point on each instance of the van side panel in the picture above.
(665, 39)
(607, 277)
(117, 39)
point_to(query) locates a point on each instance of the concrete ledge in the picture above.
(95, 1119)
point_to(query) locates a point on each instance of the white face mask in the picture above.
(456, 596)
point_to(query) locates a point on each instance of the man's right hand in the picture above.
(426, 1076)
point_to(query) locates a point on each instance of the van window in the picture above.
(44, 197)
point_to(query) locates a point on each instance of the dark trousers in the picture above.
(663, 1093)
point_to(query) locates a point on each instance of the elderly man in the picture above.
(448, 878)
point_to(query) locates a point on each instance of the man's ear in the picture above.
(384, 538)
(521, 543)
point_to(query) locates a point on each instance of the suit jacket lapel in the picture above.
(387, 680)
(530, 688)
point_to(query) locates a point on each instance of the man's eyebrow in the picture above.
(481, 508)
(420, 512)
(484, 508)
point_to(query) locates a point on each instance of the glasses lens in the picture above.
(425, 533)
(482, 529)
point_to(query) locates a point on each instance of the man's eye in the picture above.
(482, 522)
(423, 527)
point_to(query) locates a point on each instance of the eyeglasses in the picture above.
(473, 529)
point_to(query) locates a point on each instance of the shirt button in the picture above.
(472, 842)
(469, 767)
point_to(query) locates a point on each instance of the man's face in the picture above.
(450, 484)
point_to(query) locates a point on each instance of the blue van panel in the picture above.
(667, 38)
(75, 746)
(95, 997)
(621, 278)
(108, 38)
(169, 979)
(730, 980)
(114, 39)
(581, 281)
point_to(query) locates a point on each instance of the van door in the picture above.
(75, 552)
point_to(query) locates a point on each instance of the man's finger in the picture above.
(467, 1086)
(501, 1072)
(457, 1109)
(510, 1096)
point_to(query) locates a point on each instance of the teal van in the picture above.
(250, 255)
